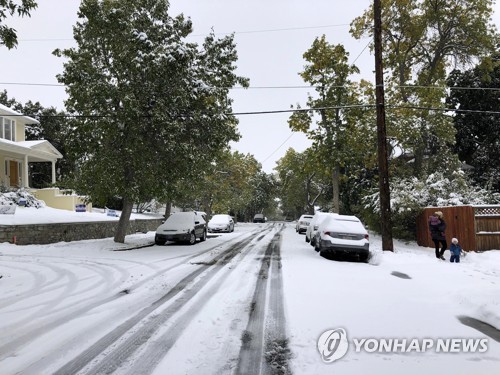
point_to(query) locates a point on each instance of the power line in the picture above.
(284, 87)
(302, 110)
(278, 30)
(201, 35)
(31, 84)
(437, 109)
(291, 110)
(285, 141)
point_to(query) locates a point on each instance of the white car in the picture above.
(341, 235)
(303, 223)
(314, 224)
(221, 223)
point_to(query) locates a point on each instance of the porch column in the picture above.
(53, 172)
(25, 179)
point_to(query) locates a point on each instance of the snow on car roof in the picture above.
(220, 218)
(344, 223)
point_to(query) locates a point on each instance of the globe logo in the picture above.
(333, 345)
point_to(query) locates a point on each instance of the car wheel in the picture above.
(192, 238)
(204, 236)
(316, 247)
(160, 242)
(307, 239)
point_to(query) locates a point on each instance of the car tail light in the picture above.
(367, 237)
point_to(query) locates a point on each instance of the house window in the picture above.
(9, 129)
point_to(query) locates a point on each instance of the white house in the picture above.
(16, 152)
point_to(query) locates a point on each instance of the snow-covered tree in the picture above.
(150, 106)
(410, 195)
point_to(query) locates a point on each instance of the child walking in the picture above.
(455, 250)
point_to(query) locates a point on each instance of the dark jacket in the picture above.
(455, 249)
(437, 231)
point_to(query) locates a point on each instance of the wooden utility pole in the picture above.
(383, 167)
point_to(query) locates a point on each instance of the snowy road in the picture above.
(130, 314)
(250, 302)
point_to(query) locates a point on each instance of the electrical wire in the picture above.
(292, 110)
(203, 35)
(275, 151)
(292, 87)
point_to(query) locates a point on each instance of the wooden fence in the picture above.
(476, 227)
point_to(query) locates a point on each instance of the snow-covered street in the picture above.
(253, 301)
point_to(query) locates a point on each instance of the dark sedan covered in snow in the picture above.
(182, 227)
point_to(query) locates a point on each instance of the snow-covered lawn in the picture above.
(370, 302)
(45, 215)
(73, 293)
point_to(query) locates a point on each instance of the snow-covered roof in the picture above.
(4, 110)
(41, 150)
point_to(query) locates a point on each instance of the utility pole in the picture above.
(383, 167)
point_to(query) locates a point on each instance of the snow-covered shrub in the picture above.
(410, 195)
(14, 196)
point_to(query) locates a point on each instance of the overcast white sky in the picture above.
(271, 37)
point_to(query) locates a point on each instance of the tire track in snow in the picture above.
(264, 347)
(29, 332)
(149, 360)
(135, 331)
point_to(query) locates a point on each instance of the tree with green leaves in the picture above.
(336, 109)
(478, 133)
(301, 182)
(151, 108)
(234, 184)
(8, 35)
(422, 40)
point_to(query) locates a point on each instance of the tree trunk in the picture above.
(168, 209)
(336, 192)
(123, 223)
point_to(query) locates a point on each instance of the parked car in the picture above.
(259, 218)
(182, 227)
(303, 223)
(221, 223)
(314, 224)
(341, 235)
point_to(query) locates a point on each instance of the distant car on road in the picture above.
(341, 235)
(303, 223)
(182, 227)
(259, 218)
(221, 223)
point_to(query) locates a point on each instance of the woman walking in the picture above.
(437, 227)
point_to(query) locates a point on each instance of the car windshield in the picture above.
(180, 220)
(219, 219)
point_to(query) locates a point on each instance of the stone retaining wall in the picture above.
(66, 232)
